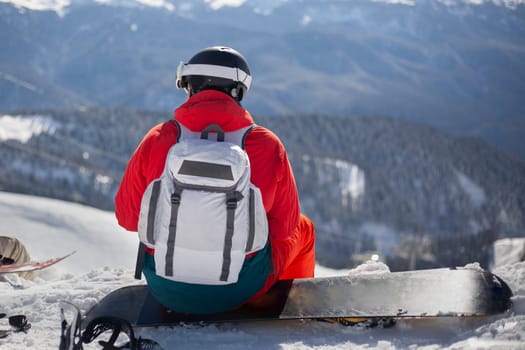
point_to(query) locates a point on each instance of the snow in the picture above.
(474, 266)
(217, 4)
(105, 261)
(41, 5)
(23, 128)
(264, 7)
(403, 2)
(508, 251)
(350, 177)
(50, 228)
(161, 4)
(473, 190)
(370, 267)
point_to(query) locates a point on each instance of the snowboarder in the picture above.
(216, 79)
(12, 251)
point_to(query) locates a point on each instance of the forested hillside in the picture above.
(371, 185)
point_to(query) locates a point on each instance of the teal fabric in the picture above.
(206, 299)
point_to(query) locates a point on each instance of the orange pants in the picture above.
(294, 257)
(300, 262)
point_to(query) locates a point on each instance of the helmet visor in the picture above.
(232, 73)
(180, 68)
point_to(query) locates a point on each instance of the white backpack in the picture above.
(203, 215)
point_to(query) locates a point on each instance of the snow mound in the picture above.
(474, 266)
(370, 267)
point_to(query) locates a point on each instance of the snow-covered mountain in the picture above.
(371, 185)
(104, 262)
(457, 65)
(265, 7)
(400, 188)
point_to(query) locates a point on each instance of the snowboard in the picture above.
(32, 265)
(422, 293)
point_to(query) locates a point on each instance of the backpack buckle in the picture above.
(232, 199)
(175, 199)
(231, 203)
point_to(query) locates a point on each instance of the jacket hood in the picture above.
(212, 107)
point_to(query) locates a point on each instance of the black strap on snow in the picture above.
(18, 322)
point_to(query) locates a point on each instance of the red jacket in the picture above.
(270, 169)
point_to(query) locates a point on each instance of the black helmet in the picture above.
(215, 68)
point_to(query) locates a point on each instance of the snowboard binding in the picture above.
(72, 336)
(117, 326)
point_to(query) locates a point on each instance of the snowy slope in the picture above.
(104, 261)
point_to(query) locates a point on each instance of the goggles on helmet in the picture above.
(232, 73)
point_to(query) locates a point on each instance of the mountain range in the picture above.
(456, 65)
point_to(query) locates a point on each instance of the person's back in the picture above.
(216, 80)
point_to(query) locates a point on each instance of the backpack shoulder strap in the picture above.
(179, 129)
(245, 134)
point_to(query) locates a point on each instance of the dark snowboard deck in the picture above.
(421, 294)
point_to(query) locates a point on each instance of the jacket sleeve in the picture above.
(129, 194)
(145, 165)
(283, 216)
(272, 173)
